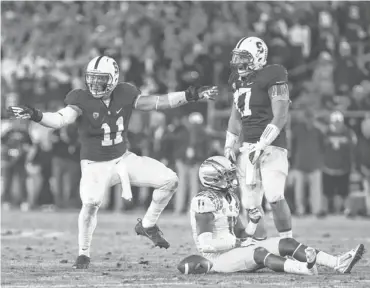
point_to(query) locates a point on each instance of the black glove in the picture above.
(195, 93)
(25, 112)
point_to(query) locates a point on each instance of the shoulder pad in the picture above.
(206, 201)
(129, 91)
(75, 97)
(275, 74)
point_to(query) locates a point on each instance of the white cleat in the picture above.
(311, 261)
(346, 261)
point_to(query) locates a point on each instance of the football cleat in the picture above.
(311, 260)
(348, 260)
(82, 262)
(153, 233)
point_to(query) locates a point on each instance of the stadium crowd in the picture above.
(166, 46)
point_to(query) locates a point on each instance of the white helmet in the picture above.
(101, 76)
(218, 173)
(250, 54)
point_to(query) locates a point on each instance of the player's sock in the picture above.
(152, 214)
(286, 234)
(295, 267)
(160, 200)
(291, 247)
(274, 262)
(282, 218)
(326, 259)
(87, 221)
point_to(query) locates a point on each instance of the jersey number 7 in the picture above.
(242, 97)
(107, 141)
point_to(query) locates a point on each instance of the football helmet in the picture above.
(250, 54)
(218, 173)
(101, 76)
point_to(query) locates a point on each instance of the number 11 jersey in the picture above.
(103, 129)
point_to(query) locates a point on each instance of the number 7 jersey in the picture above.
(252, 100)
(103, 129)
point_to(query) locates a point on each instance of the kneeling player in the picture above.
(221, 237)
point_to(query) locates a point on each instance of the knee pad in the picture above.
(259, 255)
(251, 196)
(272, 198)
(171, 183)
(91, 208)
(165, 191)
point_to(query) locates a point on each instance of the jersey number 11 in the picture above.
(117, 136)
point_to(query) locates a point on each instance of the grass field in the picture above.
(39, 248)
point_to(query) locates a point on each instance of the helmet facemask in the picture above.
(99, 84)
(241, 62)
(224, 180)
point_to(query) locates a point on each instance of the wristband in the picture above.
(269, 134)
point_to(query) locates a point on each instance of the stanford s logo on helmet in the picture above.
(101, 76)
(250, 54)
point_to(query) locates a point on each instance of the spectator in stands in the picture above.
(16, 144)
(65, 166)
(307, 144)
(192, 151)
(346, 74)
(363, 158)
(339, 144)
(39, 167)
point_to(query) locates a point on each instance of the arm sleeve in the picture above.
(277, 74)
(57, 120)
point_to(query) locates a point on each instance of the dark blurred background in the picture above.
(166, 46)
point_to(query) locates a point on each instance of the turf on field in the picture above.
(38, 250)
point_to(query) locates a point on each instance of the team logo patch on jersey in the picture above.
(95, 115)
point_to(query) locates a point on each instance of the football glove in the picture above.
(256, 152)
(254, 215)
(230, 154)
(25, 112)
(195, 93)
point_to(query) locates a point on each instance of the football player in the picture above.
(260, 112)
(102, 112)
(221, 237)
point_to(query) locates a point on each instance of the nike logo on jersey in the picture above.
(250, 83)
(118, 111)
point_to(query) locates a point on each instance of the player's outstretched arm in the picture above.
(55, 120)
(232, 134)
(175, 99)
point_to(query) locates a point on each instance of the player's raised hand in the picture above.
(194, 93)
(24, 112)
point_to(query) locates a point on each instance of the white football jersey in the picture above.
(225, 213)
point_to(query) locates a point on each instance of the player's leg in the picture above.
(274, 171)
(180, 197)
(251, 195)
(342, 263)
(299, 185)
(252, 258)
(145, 171)
(94, 183)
